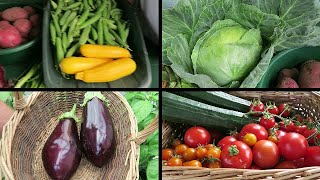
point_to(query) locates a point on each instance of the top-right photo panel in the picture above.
(240, 44)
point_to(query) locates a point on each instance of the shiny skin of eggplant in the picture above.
(97, 134)
(61, 154)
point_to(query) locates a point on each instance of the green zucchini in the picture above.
(179, 109)
(218, 99)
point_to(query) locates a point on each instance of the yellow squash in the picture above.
(102, 51)
(73, 65)
(108, 72)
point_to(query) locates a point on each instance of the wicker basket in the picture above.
(33, 121)
(308, 103)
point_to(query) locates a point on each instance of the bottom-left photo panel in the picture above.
(79, 135)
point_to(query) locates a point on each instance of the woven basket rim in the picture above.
(11, 126)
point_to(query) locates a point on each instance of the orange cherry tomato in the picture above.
(214, 152)
(208, 146)
(189, 154)
(194, 163)
(214, 164)
(181, 148)
(176, 142)
(175, 161)
(201, 152)
(273, 139)
(167, 154)
(250, 139)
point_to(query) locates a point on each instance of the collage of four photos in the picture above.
(159, 89)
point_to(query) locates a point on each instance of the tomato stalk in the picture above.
(233, 150)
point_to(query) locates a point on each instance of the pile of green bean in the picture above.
(77, 22)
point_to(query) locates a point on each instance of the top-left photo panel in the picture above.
(79, 44)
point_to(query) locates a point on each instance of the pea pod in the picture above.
(107, 36)
(56, 24)
(94, 34)
(110, 24)
(53, 33)
(65, 42)
(68, 21)
(86, 5)
(91, 4)
(73, 50)
(54, 5)
(91, 41)
(90, 21)
(100, 32)
(71, 29)
(123, 31)
(74, 5)
(85, 35)
(83, 17)
(119, 40)
(81, 8)
(59, 8)
(64, 17)
(59, 50)
(102, 7)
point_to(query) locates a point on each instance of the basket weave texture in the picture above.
(32, 123)
(307, 103)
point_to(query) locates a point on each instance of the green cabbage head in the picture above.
(227, 52)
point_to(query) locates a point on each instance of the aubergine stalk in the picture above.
(97, 134)
(61, 154)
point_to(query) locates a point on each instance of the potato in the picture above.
(287, 82)
(310, 74)
(291, 73)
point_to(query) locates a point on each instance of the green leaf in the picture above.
(153, 169)
(146, 121)
(142, 109)
(154, 150)
(153, 138)
(144, 156)
(4, 95)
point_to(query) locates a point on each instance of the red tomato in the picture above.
(280, 134)
(167, 154)
(265, 154)
(299, 163)
(236, 155)
(226, 141)
(174, 162)
(312, 157)
(256, 106)
(256, 129)
(286, 165)
(309, 133)
(273, 109)
(284, 110)
(234, 133)
(298, 118)
(195, 136)
(288, 127)
(300, 129)
(293, 146)
(189, 154)
(267, 122)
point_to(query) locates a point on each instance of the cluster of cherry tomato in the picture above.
(281, 139)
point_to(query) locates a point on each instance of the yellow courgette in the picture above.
(102, 51)
(73, 65)
(108, 72)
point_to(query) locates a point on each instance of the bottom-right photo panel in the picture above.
(240, 135)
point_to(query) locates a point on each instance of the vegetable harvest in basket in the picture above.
(62, 151)
(230, 43)
(97, 29)
(281, 138)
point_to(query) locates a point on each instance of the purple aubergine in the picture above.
(61, 154)
(97, 134)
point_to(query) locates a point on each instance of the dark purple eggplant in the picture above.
(61, 154)
(97, 134)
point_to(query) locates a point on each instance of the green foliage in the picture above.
(145, 107)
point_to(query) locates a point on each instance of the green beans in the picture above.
(71, 29)
(53, 33)
(109, 39)
(72, 50)
(56, 24)
(68, 21)
(59, 8)
(94, 34)
(118, 39)
(100, 32)
(54, 5)
(64, 17)
(85, 35)
(91, 41)
(65, 42)
(59, 50)
(102, 7)
(74, 5)
(91, 4)
(90, 21)
(110, 24)
(123, 31)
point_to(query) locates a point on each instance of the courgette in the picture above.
(218, 99)
(179, 109)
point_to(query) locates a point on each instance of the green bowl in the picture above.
(287, 59)
(16, 60)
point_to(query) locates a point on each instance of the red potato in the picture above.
(24, 26)
(4, 23)
(288, 82)
(310, 74)
(31, 11)
(14, 13)
(35, 19)
(9, 36)
(291, 73)
(34, 31)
